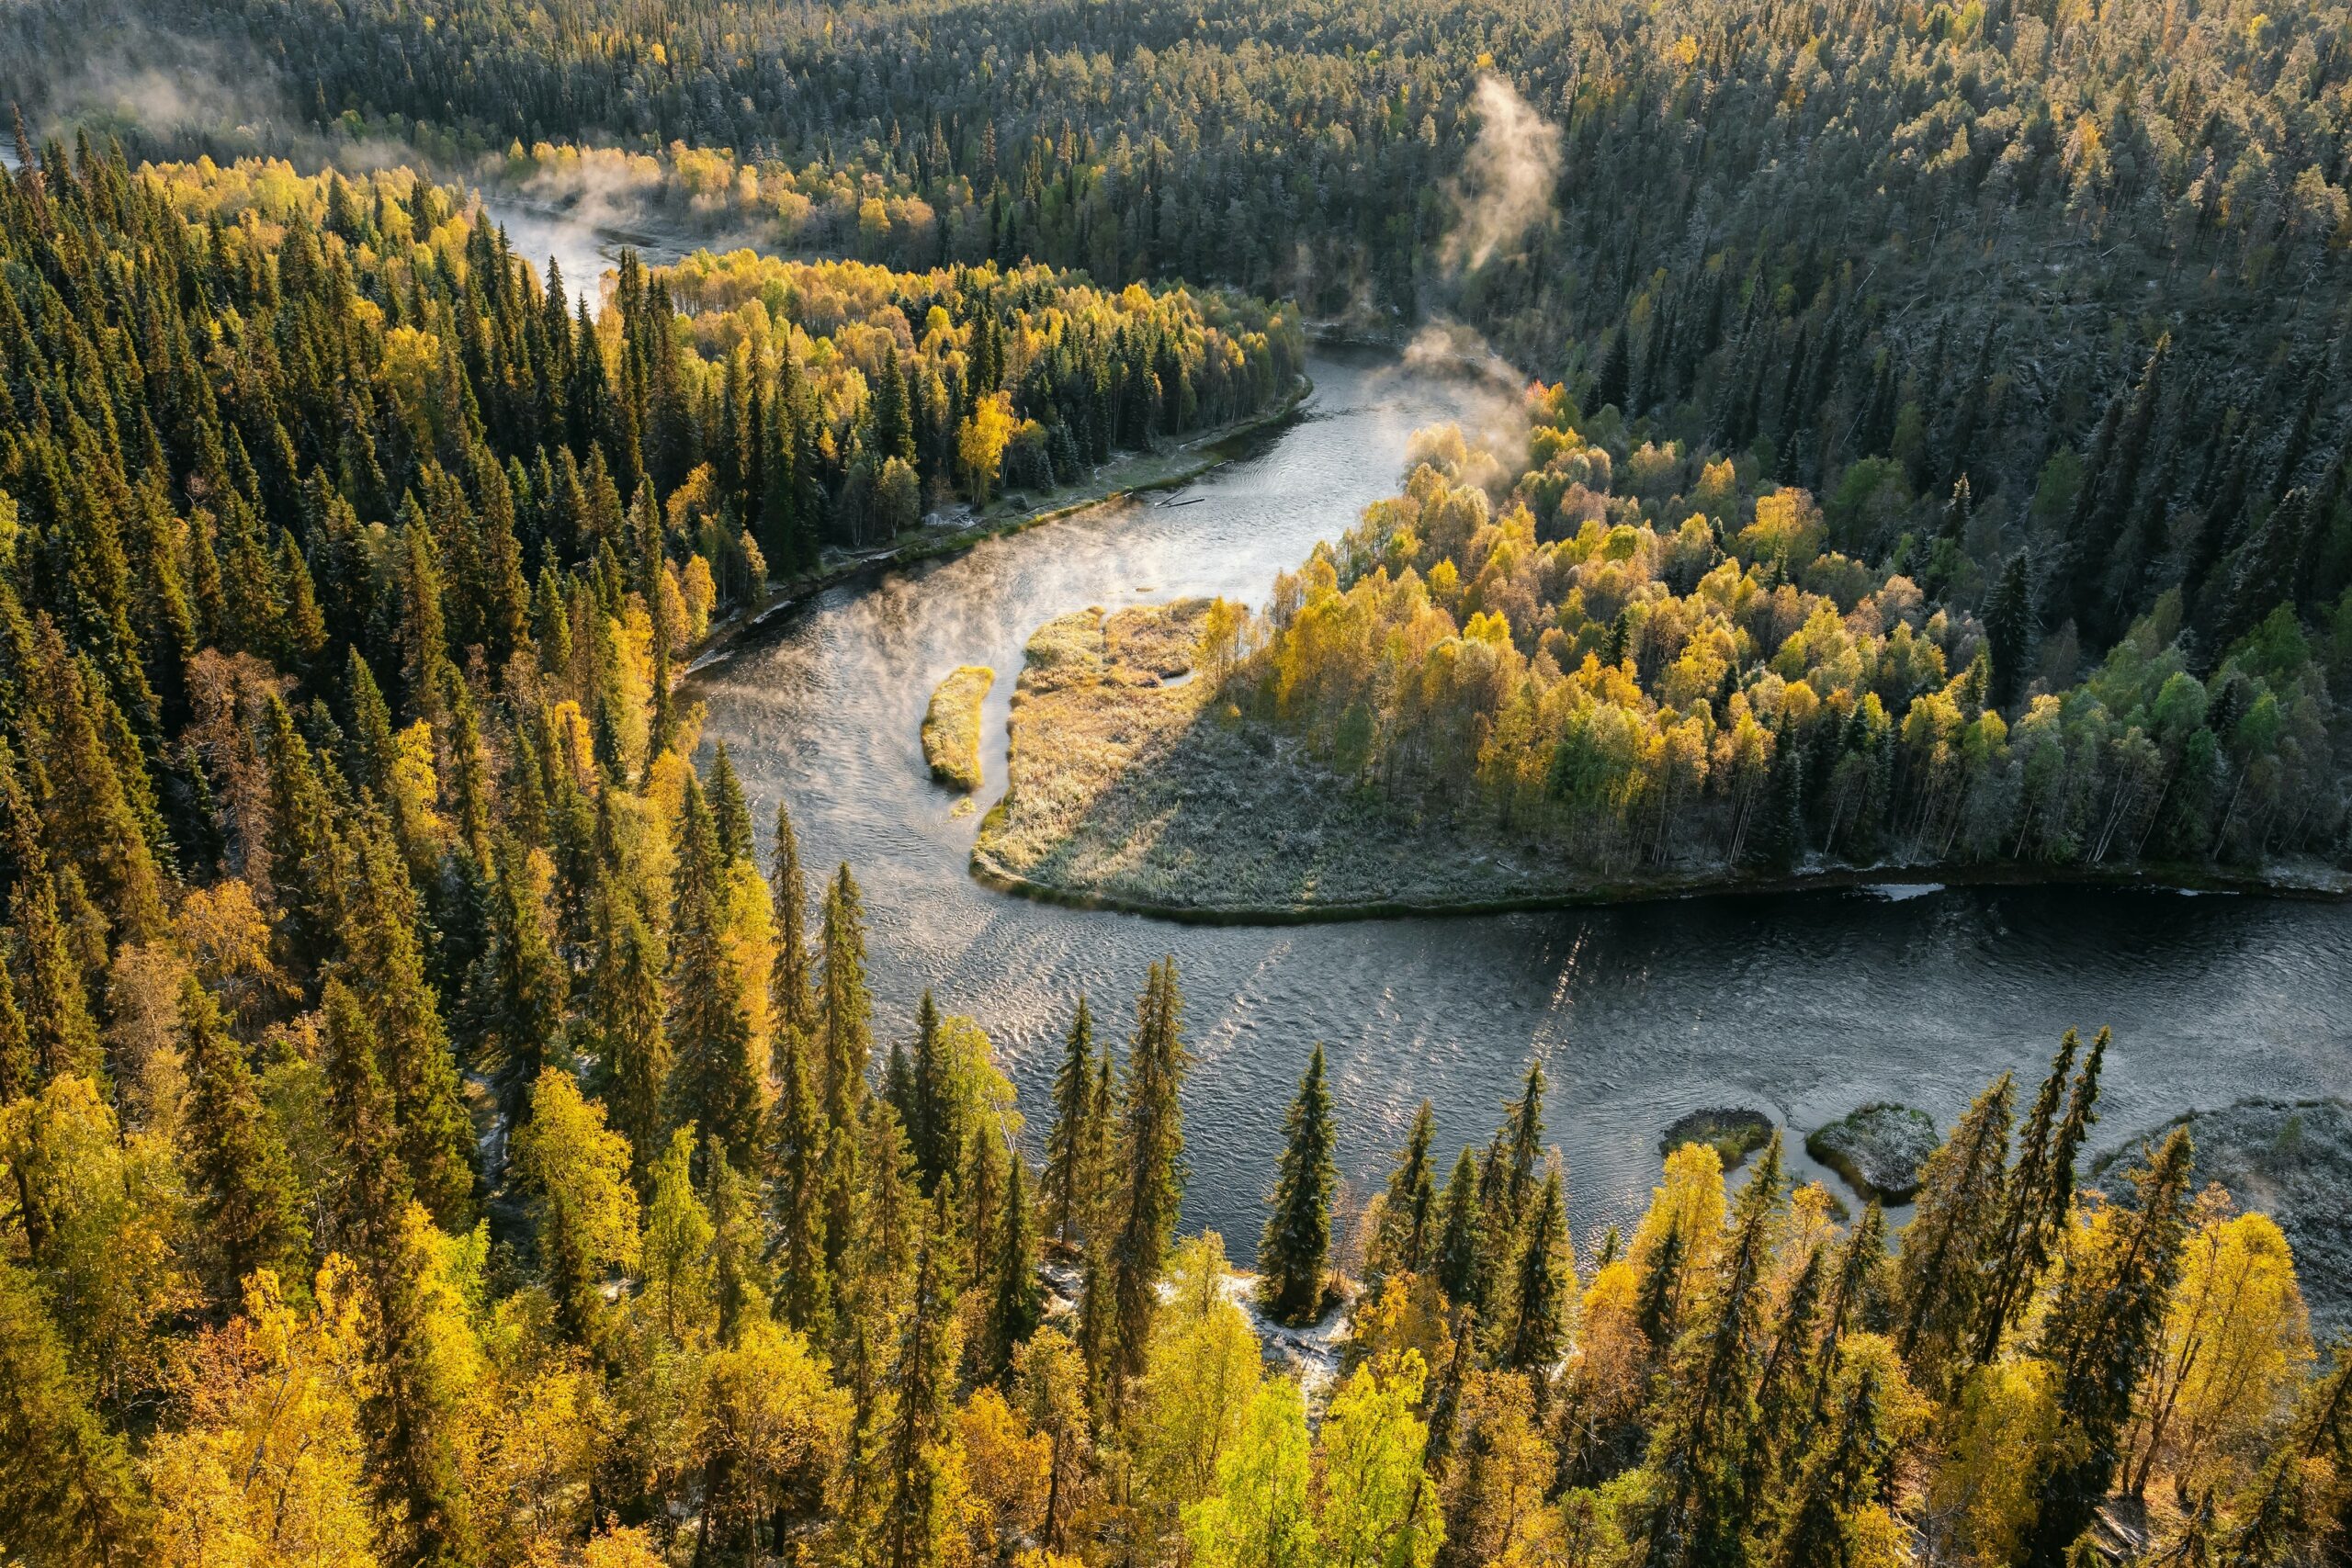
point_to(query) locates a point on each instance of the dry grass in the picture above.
(951, 727)
(1131, 782)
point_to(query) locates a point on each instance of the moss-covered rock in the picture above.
(1879, 1149)
(1733, 1132)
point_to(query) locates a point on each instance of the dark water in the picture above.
(1800, 1006)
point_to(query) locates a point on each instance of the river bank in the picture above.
(1133, 788)
(1131, 474)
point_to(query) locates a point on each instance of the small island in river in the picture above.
(1131, 786)
(951, 727)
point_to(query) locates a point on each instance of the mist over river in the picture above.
(1801, 1006)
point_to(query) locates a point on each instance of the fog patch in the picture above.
(1508, 179)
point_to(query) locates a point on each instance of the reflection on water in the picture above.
(1799, 1006)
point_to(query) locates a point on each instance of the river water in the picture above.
(1801, 1006)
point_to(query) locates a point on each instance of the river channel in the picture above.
(1801, 1006)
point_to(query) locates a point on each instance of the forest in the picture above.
(443, 1125)
(1638, 658)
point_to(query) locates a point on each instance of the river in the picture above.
(1801, 1006)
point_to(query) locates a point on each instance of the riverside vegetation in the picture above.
(1612, 665)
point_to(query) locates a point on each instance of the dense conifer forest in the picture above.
(443, 1125)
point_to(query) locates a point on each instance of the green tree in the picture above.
(1297, 1240)
(1069, 1197)
(66, 1486)
(1940, 1274)
(714, 1083)
(1258, 1516)
(1152, 1144)
(248, 1212)
(1406, 1239)
(845, 1016)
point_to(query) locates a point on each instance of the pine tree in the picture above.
(1297, 1241)
(247, 1205)
(1067, 1197)
(1409, 1215)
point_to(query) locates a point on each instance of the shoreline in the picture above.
(1201, 449)
(985, 870)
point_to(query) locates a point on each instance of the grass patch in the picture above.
(1732, 1133)
(951, 727)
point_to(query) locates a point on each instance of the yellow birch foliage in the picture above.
(2235, 1335)
(266, 1471)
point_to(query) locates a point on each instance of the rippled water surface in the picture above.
(1801, 1006)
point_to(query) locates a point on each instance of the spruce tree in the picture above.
(797, 1194)
(1941, 1274)
(1700, 1442)
(247, 1208)
(632, 1044)
(382, 961)
(921, 1494)
(1151, 1145)
(1537, 1336)
(713, 1083)
(1065, 1185)
(2021, 1247)
(1297, 1240)
(845, 1018)
(1408, 1212)
(792, 994)
(2105, 1321)
(1016, 1302)
(63, 1038)
(17, 1068)
(1456, 1261)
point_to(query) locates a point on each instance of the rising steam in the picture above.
(1508, 179)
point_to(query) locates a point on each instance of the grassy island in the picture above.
(1130, 786)
(951, 727)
